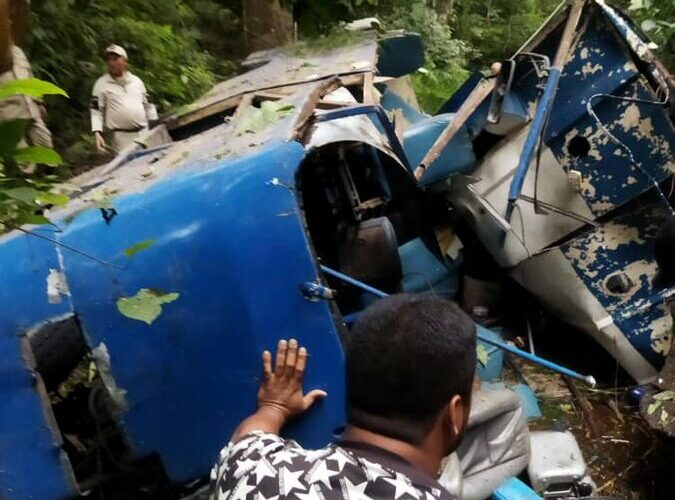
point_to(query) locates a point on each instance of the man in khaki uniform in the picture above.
(23, 107)
(14, 65)
(119, 103)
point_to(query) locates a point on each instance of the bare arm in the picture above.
(150, 109)
(96, 109)
(280, 397)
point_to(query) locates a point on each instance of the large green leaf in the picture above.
(24, 194)
(257, 119)
(665, 395)
(11, 133)
(31, 218)
(482, 355)
(146, 305)
(653, 407)
(31, 87)
(138, 247)
(56, 199)
(37, 154)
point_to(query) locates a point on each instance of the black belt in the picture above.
(137, 129)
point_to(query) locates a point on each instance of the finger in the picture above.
(301, 363)
(280, 363)
(267, 364)
(291, 356)
(312, 396)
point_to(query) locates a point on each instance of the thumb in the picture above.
(312, 396)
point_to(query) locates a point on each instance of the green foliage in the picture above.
(332, 38)
(180, 48)
(434, 86)
(169, 46)
(318, 17)
(37, 154)
(22, 195)
(11, 132)
(31, 87)
(442, 47)
(497, 28)
(146, 305)
(446, 55)
(257, 119)
(657, 20)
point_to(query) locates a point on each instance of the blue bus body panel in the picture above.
(31, 462)
(229, 239)
(601, 64)
(624, 246)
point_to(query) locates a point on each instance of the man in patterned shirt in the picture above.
(410, 364)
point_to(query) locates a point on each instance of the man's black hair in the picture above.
(406, 357)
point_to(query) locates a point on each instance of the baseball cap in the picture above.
(116, 49)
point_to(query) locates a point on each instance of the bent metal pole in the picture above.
(589, 379)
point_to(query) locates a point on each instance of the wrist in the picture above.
(273, 412)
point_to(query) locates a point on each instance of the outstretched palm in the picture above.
(281, 388)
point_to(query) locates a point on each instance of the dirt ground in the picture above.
(625, 457)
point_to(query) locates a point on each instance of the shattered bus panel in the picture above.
(577, 211)
(232, 205)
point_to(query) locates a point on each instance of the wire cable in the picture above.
(623, 146)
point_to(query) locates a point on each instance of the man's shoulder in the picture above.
(135, 79)
(269, 465)
(102, 80)
(18, 53)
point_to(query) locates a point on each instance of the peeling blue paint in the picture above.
(624, 245)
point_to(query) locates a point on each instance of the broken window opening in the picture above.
(85, 416)
(360, 208)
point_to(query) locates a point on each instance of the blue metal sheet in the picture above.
(30, 459)
(222, 231)
(599, 63)
(221, 235)
(514, 489)
(625, 245)
(609, 178)
(391, 101)
(456, 157)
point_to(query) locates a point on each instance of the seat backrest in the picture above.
(370, 254)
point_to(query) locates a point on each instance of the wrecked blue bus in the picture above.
(130, 329)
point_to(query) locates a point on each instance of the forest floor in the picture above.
(625, 457)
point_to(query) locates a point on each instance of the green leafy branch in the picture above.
(24, 196)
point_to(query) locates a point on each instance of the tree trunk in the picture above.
(5, 37)
(20, 16)
(443, 7)
(267, 24)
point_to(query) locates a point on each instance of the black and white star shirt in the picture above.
(267, 467)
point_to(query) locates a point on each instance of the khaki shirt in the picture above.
(18, 106)
(120, 104)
